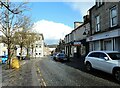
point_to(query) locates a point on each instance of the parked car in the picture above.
(54, 56)
(3, 59)
(61, 57)
(107, 61)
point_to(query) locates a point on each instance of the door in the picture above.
(103, 64)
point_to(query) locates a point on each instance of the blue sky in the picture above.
(56, 19)
(54, 11)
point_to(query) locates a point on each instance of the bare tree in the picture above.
(21, 36)
(10, 21)
(31, 38)
(19, 39)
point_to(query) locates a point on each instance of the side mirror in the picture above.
(106, 58)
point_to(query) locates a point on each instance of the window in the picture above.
(114, 56)
(96, 45)
(113, 16)
(39, 53)
(94, 55)
(102, 55)
(107, 44)
(4, 52)
(36, 53)
(39, 45)
(3, 45)
(97, 23)
(36, 45)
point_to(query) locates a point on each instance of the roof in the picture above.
(106, 51)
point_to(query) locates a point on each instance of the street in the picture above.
(47, 72)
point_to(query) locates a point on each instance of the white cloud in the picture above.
(51, 30)
(82, 7)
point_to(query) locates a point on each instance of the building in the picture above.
(76, 45)
(105, 26)
(38, 50)
(3, 49)
(47, 51)
(61, 46)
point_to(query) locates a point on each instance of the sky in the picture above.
(56, 19)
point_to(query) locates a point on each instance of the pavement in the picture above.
(17, 77)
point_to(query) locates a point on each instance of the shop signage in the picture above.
(76, 43)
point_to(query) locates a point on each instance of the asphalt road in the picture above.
(62, 74)
(47, 72)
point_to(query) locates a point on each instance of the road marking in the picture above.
(42, 81)
(44, 84)
(38, 70)
(40, 75)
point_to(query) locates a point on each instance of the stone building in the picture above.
(105, 26)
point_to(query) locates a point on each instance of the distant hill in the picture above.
(52, 46)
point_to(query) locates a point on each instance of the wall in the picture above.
(104, 12)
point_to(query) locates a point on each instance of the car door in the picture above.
(96, 60)
(93, 59)
(103, 64)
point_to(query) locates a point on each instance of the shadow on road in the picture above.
(78, 63)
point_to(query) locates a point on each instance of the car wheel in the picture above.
(117, 75)
(88, 66)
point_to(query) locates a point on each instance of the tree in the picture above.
(20, 37)
(11, 13)
(31, 38)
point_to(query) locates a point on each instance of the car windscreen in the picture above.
(62, 55)
(114, 56)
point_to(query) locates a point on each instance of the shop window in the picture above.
(96, 45)
(108, 44)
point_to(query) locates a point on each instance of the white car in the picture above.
(107, 61)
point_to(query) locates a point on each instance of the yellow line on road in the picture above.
(39, 70)
(44, 84)
(40, 75)
(42, 80)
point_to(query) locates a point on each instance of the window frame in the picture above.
(114, 17)
(107, 40)
(97, 23)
